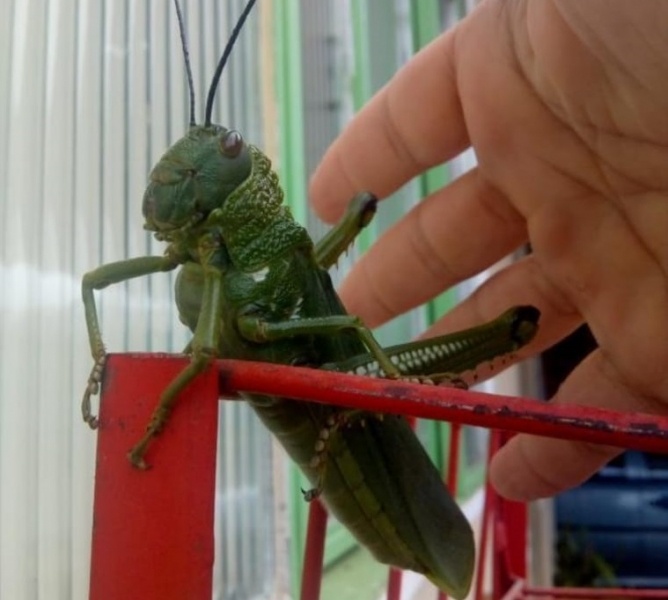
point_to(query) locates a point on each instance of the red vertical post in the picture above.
(515, 521)
(510, 537)
(394, 581)
(511, 531)
(453, 471)
(153, 530)
(314, 551)
(488, 520)
(453, 458)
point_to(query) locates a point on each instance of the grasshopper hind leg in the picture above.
(321, 455)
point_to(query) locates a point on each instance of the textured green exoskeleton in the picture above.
(253, 286)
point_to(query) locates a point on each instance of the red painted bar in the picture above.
(516, 591)
(592, 593)
(637, 431)
(153, 530)
(519, 590)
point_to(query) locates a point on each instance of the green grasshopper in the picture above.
(253, 286)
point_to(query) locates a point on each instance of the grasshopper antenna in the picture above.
(223, 60)
(186, 57)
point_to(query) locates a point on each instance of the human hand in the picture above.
(566, 106)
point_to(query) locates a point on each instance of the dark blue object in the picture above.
(621, 514)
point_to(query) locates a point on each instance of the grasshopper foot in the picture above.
(92, 388)
(445, 379)
(449, 380)
(136, 455)
(312, 494)
(318, 462)
(155, 426)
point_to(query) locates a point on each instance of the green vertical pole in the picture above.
(291, 168)
(291, 107)
(426, 26)
(425, 21)
(362, 63)
(361, 83)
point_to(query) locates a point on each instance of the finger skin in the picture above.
(566, 106)
(381, 149)
(421, 250)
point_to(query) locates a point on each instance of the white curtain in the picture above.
(93, 92)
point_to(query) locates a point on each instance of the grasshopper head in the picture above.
(194, 177)
(199, 172)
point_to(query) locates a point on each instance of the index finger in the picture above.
(413, 123)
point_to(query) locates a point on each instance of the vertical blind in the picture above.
(93, 94)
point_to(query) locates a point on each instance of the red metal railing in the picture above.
(153, 531)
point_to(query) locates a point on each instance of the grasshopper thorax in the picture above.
(194, 177)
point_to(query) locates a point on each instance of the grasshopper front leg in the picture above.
(204, 347)
(98, 279)
(336, 241)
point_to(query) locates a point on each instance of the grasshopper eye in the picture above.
(231, 144)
